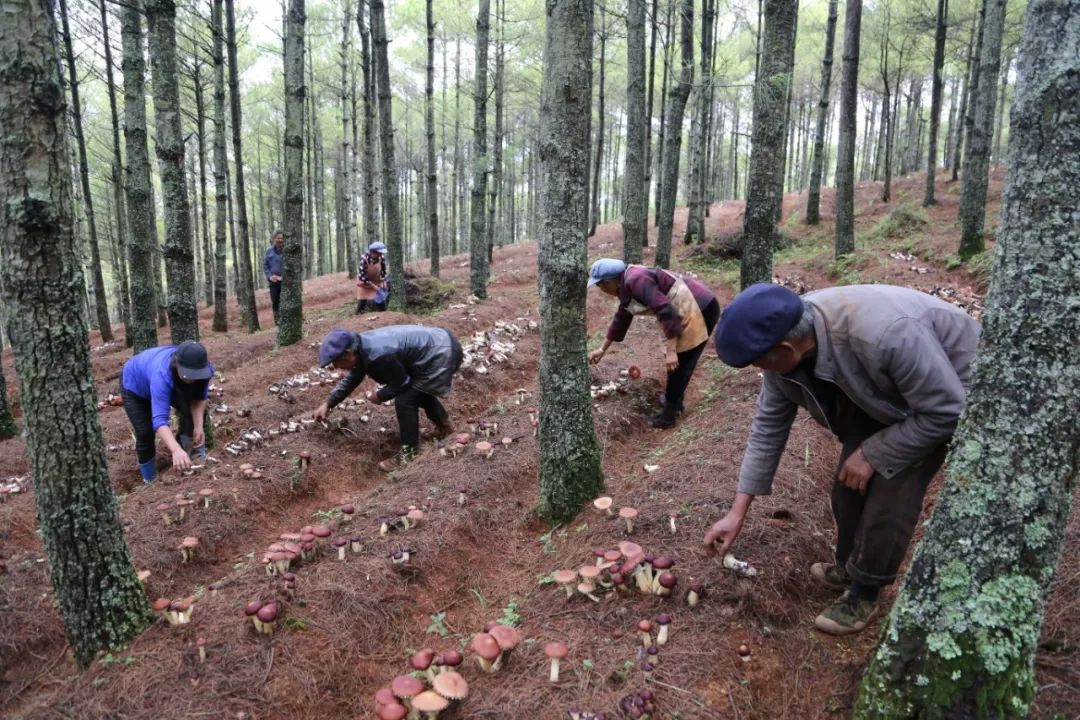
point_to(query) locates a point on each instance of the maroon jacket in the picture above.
(649, 286)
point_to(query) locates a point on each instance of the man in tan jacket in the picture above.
(886, 369)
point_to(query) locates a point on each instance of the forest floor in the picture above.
(353, 624)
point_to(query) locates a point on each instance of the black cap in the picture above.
(191, 361)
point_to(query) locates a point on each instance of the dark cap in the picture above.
(755, 322)
(191, 361)
(334, 344)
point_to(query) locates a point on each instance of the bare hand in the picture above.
(855, 472)
(198, 439)
(596, 356)
(321, 412)
(671, 360)
(723, 531)
(180, 460)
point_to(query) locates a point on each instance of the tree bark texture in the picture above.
(677, 97)
(695, 211)
(598, 154)
(169, 144)
(245, 288)
(961, 118)
(479, 268)
(8, 428)
(635, 194)
(391, 205)
(570, 470)
(221, 193)
(101, 601)
(348, 216)
(200, 133)
(845, 146)
(817, 164)
(765, 189)
(935, 100)
(980, 134)
(142, 225)
(495, 186)
(429, 123)
(291, 315)
(371, 217)
(962, 634)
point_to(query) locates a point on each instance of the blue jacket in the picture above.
(273, 262)
(149, 375)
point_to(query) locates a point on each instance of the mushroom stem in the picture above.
(202, 654)
(341, 553)
(166, 518)
(661, 635)
(629, 525)
(671, 522)
(553, 676)
(461, 497)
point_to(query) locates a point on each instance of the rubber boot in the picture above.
(148, 470)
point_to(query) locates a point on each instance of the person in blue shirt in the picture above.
(274, 269)
(152, 382)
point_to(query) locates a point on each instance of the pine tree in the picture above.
(291, 316)
(101, 601)
(817, 169)
(479, 268)
(221, 196)
(935, 100)
(845, 146)
(348, 215)
(699, 138)
(570, 471)
(635, 194)
(429, 127)
(961, 637)
(8, 428)
(371, 221)
(672, 131)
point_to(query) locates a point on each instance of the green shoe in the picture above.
(844, 617)
(833, 577)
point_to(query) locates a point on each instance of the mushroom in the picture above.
(347, 509)
(181, 610)
(449, 659)
(628, 514)
(610, 558)
(598, 553)
(744, 652)
(667, 583)
(143, 576)
(183, 504)
(354, 544)
(267, 615)
(662, 563)
(652, 654)
(645, 632)
(461, 496)
(161, 606)
(421, 662)
(394, 711)
(164, 508)
(252, 611)
(305, 460)
(187, 547)
(671, 520)
(200, 644)
(663, 621)
(321, 532)
(556, 651)
(507, 441)
(603, 504)
(566, 578)
(385, 696)
(451, 685)
(487, 650)
(586, 588)
(619, 582)
(485, 448)
(430, 703)
(463, 438)
(695, 593)
(205, 494)
(633, 372)
(739, 567)
(341, 544)
(413, 517)
(507, 638)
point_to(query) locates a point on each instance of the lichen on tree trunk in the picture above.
(100, 599)
(962, 634)
(291, 316)
(570, 471)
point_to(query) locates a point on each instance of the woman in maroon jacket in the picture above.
(686, 309)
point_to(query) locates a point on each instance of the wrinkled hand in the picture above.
(180, 460)
(321, 412)
(596, 356)
(198, 439)
(671, 360)
(855, 472)
(723, 531)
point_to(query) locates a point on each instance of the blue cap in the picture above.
(755, 322)
(605, 269)
(378, 247)
(334, 344)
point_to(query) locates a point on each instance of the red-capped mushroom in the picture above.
(744, 652)
(488, 652)
(206, 494)
(342, 545)
(566, 578)
(645, 632)
(430, 703)
(451, 685)
(421, 662)
(695, 593)
(628, 514)
(395, 711)
(556, 651)
(663, 621)
(267, 617)
(603, 504)
(406, 686)
(305, 460)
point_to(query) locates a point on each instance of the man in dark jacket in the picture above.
(274, 270)
(886, 369)
(415, 366)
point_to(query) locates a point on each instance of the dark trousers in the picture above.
(873, 531)
(275, 298)
(140, 415)
(408, 403)
(365, 305)
(679, 378)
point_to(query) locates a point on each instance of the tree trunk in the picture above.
(495, 187)
(348, 216)
(117, 181)
(817, 164)
(845, 146)
(598, 155)
(456, 173)
(101, 301)
(668, 35)
(371, 216)
(999, 131)
(653, 32)
(386, 127)
(169, 142)
(635, 195)
(673, 135)
(101, 601)
(977, 152)
(307, 173)
(429, 120)
(200, 134)
(963, 631)
(479, 268)
(323, 229)
(765, 189)
(570, 471)
(935, 100)
(291, 315)
(8, 428)
(142, 225)
(695, 214)
(221, 196)
(245, 288)
(971, 79)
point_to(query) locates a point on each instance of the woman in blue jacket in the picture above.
(155, 380)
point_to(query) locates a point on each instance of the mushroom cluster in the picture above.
(408, 696)
(187, 547)
(494, 645)
(400, 554)
(402, 519)
(248, 471)
(638, 705)
(263, 615)
(628, 567)
(603, 392)
(175, 612)
(486, 346)
(481, 426)
(247, 440)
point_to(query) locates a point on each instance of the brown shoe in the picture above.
(845, 617)
(402, 458)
